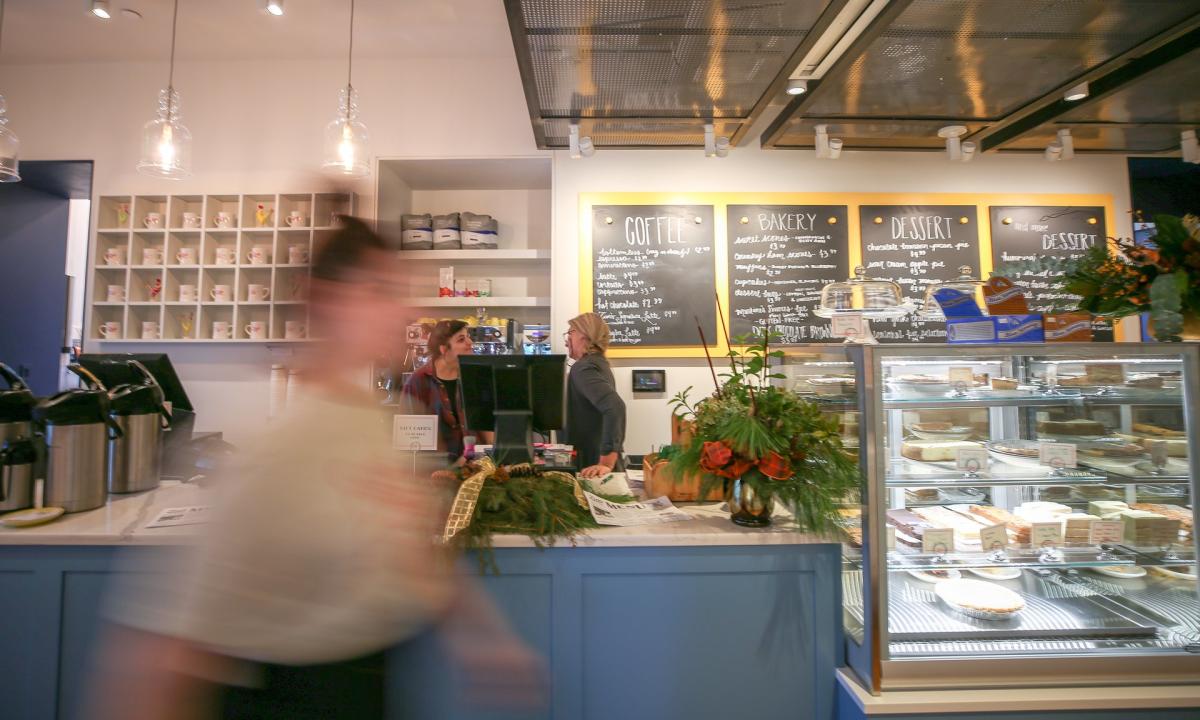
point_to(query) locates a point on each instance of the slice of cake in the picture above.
(933, 451)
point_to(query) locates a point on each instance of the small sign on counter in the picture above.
(994, 537)
(414, 432)
(1106, 532)
(1056, 455)
(938, 540)
(1046, 535)
(847, 325)
(971, 460)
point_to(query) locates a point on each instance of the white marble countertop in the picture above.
(123, 522)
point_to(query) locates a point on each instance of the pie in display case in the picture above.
(1027, 512)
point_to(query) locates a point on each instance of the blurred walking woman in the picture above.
(434, 388)
(595, 412)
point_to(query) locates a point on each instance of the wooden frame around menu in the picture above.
(852, 201)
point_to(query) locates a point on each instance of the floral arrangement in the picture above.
(783, 447)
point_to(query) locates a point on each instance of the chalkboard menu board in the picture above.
(1027, 233)
(653, 274)
(915, 246)
(780, 256)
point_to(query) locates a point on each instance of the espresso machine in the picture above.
(536, 340)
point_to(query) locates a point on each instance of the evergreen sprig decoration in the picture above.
(783, 446)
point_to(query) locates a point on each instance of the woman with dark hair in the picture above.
(434, 388)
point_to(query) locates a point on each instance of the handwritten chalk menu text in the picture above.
(1027, 233)
(780, 256)
(653, 273)
(916, 246)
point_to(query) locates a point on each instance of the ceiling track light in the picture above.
(968, 151)
(835, 148)
(1067, 142)
(1189, 147)
(1076, 93)
(580, 147)
(10, 144)
(100, 9)
(797, 86)
(1054, 152)
(953, 136)
(273, 7)
(714, 146)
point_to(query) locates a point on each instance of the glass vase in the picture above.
(747, 507)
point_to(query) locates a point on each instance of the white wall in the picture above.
(756, 170)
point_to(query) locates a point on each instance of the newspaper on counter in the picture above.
(173, 517)
(650, 512)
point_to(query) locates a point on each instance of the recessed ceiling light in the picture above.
(100, 9)
(797, 87)
(274, 7)
(1076, 93)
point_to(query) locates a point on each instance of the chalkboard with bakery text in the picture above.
(780, 256)
(1024, 233)
(916, 246)
(653, 273)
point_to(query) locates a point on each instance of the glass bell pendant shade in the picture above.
(10, 149)
(346, 140)
(166, 142)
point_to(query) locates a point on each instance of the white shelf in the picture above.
(484, 255)
(473, 302)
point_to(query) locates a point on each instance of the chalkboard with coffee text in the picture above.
(1024, 233)
(916, 246)
(780, 256)
(653, 273)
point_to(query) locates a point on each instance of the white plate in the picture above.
(30, 516)
(1017, 460)
(997, 573)
(924, 575)
(1124, 572)
(951, 435)
(954, 595)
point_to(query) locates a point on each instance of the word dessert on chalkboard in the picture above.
(653, 272)
(780, 257)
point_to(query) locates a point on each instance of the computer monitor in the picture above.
(515, 394)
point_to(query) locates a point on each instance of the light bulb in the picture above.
(100, 9)
(274, 7)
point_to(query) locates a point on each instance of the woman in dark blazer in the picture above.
(595, 412)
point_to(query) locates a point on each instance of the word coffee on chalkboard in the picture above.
(916, 246)
(653, 273)
(780, 256)
(1022, 234)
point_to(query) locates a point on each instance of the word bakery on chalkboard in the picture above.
(653, 274)
(780, 256)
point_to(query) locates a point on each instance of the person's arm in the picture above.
(602, 395)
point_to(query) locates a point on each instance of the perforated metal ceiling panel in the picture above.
(881, 134)
(631, 62)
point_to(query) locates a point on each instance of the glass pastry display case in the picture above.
(1027, 516)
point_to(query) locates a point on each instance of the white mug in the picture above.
(191, 220)
(257, 330)
(220, 293)
(223, 220)
(295, 219)
(109, 330)
(150, 330)
(186, 256)
(293, 330)
(257, 293)
(152, 256)
(259, 255)
(297, 254)
(116, 293)
(222, 330)
(152, 220)
(114, 256)
(188, 293)
(226, 256)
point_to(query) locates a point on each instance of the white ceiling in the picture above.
(64, 31)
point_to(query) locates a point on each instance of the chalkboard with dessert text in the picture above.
(653, 274)
(780, 256)
(1021, 234)
(917, 246)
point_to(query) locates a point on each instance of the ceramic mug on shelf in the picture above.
(256, 330)
(153, 220)
(186, 256)
(220, 293)
(222, 330)
(259, 255)
(295, 219)
(294, 330)
(152, 256)
(150, 330)
(226, 256)
(297, 254)
(188, 293)
(114, 256)
(115, 293)
(257, 293)
(191, 220)
(223, 220)
(110, 330)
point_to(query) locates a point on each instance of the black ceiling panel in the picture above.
(1170, 94)
(1124, 139)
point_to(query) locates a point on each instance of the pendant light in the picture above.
(346, 138)
(166, 142)
(10, 144)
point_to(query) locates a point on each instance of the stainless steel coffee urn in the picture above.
(135, 458)
(16, 407)
(17, 458)
(77, 428)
